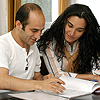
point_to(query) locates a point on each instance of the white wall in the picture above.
(3, 17)
(93, 4)
(54, 10)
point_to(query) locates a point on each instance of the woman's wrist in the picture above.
(85, 76)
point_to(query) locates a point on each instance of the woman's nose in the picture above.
(72, 32)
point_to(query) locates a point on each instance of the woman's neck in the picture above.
(71, 44)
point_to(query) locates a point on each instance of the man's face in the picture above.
(33, 29)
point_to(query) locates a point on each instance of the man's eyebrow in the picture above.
(36, 29)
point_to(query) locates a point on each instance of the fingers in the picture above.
(59, 81)
(58, 87)
(54, 79)
(49, 76)
(54, 90)
(53, 84)
(96, 77)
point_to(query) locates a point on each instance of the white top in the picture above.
(55, 67)
(13, 57)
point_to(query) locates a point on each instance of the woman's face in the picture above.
(74, 29)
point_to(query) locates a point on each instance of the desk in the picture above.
(5, 96)
(88, 97)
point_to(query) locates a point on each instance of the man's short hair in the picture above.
(23, 13)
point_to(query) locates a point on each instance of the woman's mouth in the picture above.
(70, 37)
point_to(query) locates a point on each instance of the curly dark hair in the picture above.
(89, 42)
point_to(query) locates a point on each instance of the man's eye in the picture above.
(34, 31)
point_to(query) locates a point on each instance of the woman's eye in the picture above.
(79, 30)
(69, 25)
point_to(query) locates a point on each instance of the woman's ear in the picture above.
(18, 24)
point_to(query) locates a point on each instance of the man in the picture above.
(19, 56)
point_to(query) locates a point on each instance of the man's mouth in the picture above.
(34, 40)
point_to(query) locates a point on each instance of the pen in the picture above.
(94, 80)
(69, 74)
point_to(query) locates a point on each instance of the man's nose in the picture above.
(38, 34)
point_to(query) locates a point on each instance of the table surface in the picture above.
(5, 96)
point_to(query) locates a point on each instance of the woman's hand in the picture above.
(90, 77)
(96, 77)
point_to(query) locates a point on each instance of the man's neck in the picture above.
(16, 37)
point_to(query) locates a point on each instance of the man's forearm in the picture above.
(16, 84)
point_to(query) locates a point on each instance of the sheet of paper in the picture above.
(70, 93)
(37, 96)
(78, 84)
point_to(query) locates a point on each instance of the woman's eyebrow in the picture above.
(81, 28)
(70, 22)
(78, 28)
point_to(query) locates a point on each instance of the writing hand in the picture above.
(52, 84)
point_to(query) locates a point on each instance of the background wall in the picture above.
(3, 17)
(93, 4)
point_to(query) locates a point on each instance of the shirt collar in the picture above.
(74, 48)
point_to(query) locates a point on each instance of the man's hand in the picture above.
(48, 76)
(51, 84)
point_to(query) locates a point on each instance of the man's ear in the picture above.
(18, 24)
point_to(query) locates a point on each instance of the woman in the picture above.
(71, 45)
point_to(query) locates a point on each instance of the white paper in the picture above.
(78, 84)
(37, 96)
(78, 87)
